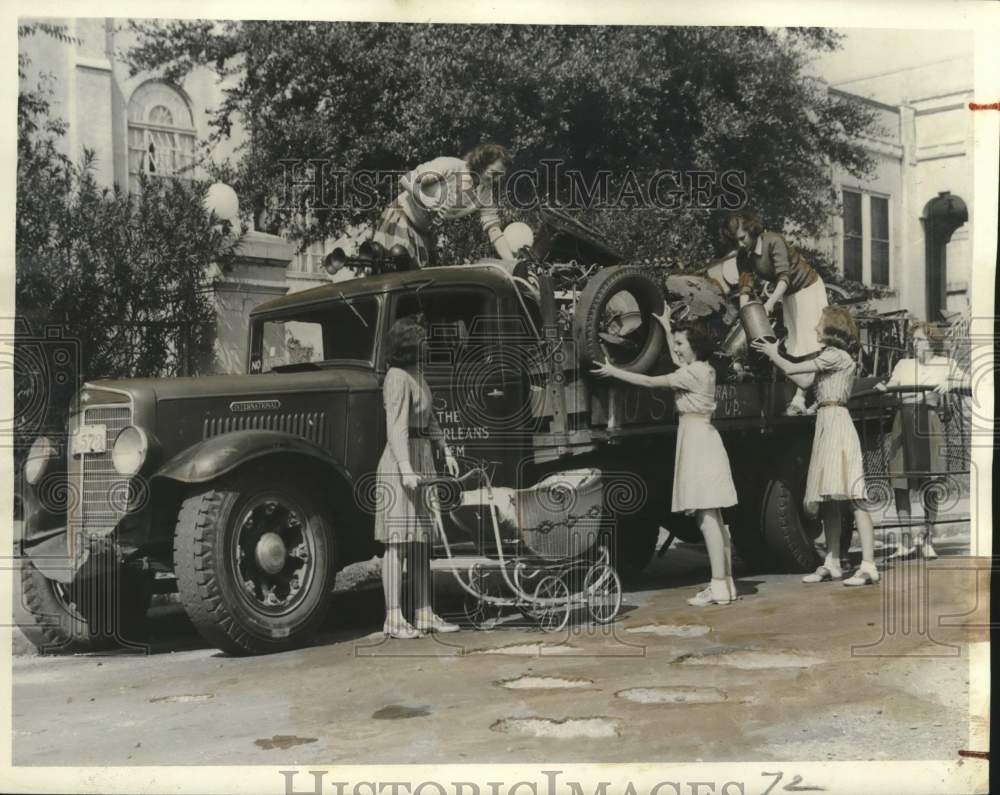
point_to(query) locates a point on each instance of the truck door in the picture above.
(477, 386)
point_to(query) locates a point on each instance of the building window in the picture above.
(853, 239)
(866, 238)
(880, 240)
(311, 260)
(161, 134)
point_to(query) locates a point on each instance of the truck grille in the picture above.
(101, 496)
(309, 425)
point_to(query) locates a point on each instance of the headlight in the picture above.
(41, 453)
(130, 450)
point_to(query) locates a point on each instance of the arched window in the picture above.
(161, 135)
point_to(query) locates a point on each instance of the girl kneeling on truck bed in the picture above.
(703, 480)
(836, 470)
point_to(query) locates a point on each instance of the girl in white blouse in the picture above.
(914, 445)
(703, 480)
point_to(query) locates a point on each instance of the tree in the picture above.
(387, 96)
(124, 276)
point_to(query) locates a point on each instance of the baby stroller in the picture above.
(540, 548)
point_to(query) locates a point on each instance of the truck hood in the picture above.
(341, 379)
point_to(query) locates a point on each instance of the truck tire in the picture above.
(591, 319)
(255, 561)
(632, 545)
(789, 533)
(90, 616)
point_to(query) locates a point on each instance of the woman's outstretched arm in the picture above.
(606, 370)
(770, 349)
(664, 321)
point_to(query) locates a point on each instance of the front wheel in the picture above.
(255, 562)
(94, 614)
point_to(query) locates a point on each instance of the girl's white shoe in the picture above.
(866, 574)
(830, 570)
(431, 622)
(717, 593)
(822, 574)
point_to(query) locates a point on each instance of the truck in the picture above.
(247, 493)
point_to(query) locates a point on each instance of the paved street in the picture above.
(771, 677)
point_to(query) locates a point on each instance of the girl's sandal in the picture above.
(822, 574)
(862, 577)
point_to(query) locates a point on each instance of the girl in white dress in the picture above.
(703, 480)
(836, 468)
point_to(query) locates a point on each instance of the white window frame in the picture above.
(866, 234)
(179, 131)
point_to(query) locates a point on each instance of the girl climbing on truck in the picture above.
(703, 480)
(444, 189)
(800, 289)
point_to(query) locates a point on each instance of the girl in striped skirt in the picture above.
(836, 471)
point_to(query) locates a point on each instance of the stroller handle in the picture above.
(475, 477)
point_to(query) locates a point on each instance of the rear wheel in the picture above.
(255, 561)
(789, 532)
(632, 545)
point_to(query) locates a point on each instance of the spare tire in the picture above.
(613, 319)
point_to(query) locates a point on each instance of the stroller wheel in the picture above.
(553, 616)
(602, 590)
(480, 613)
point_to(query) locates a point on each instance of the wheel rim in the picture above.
(272, 555)
(623, 326)
(603, 590)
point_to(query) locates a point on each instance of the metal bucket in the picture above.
(755, 322)
(735, 343)
(754, 325)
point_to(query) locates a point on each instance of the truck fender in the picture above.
(221, 454)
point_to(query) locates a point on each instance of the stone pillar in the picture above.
(257, 276)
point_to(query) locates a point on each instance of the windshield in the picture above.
(339, 331)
